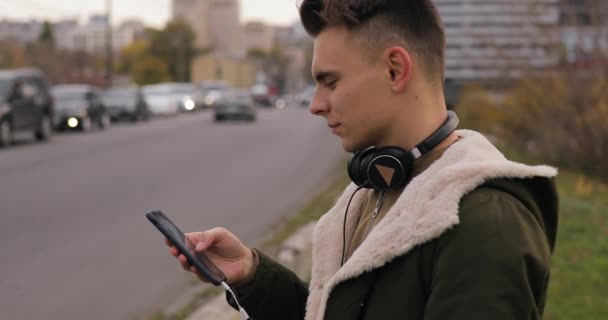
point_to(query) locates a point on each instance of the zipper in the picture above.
(379, 204)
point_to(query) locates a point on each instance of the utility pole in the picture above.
(109, 51)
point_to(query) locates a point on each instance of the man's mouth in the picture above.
(334, 127)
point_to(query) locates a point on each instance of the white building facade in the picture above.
(488, 39)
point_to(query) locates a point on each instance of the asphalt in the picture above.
(75, 243)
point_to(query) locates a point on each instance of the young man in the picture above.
(467, 235)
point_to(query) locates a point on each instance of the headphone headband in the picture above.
(390, 168)
(448, 126)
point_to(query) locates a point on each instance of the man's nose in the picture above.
(319, 105)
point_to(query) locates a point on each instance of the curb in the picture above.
(295, 253)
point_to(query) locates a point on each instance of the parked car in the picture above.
(126, 104)
(79, 107)
(193, 98)
(235, 104)
(304, 98)
(261, 94)
(168, 99)
(213, 91)
(25, 105)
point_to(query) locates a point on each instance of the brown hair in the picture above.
(414, 24)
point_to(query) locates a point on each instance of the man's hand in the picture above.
(225, 250)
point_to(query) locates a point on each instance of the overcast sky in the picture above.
(152, 12)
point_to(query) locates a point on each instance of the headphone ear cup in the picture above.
(357, 168)
(389, 169)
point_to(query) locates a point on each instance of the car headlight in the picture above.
(72, 122)
(189, 104)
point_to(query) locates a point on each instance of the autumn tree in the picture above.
(174, 45)
(150, 70)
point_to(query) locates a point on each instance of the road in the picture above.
(75, 242)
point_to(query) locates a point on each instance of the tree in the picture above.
(12, 54)
(131, 54)
(150, 70)
(256, 53)
(175, 46)
(47, 35)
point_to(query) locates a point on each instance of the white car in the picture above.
(169, 99)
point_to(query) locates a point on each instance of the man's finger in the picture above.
(184, 261)
(206, 239)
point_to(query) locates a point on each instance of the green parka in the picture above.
(469, 238)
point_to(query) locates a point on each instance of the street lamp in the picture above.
(109, 53)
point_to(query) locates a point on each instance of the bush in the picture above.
(560, 118)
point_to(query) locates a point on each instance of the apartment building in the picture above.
(215, 22)
(488, 39)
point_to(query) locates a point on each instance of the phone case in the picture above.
(179, 240)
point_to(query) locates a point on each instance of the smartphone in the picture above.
(186, 247)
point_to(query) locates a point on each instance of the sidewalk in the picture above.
(295, 253)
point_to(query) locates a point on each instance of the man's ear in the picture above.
(398, 64)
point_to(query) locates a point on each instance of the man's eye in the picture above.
(331, 84)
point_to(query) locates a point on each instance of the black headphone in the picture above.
(390, 168)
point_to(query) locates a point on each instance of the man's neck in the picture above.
(419, 112)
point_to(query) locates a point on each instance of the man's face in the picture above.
(351, 90)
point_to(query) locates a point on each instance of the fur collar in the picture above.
(425, 210)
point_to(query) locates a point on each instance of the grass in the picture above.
(185, 311)
(578, 288)
(579, 279)
(318, 206)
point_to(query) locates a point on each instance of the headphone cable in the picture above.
(241, 309)
(344, 225)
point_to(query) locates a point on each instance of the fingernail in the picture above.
(199, 247)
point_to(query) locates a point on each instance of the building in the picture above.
(584, 30)
(127, 33)
(92, 36)
(292, 35)
(194, 12)
(185, 9)
(62, 30)
(498, 39)
(215, 22)
(257, 35)
(22, 32)
(235, 69)
(225, 25)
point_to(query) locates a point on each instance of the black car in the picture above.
(126, 104)
(25, 105)
(79, 107)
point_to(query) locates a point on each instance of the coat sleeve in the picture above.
(274, 293)
(493, 265)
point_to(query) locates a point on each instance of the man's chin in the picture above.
(350, 147)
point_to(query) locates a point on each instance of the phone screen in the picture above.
(186, 247)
